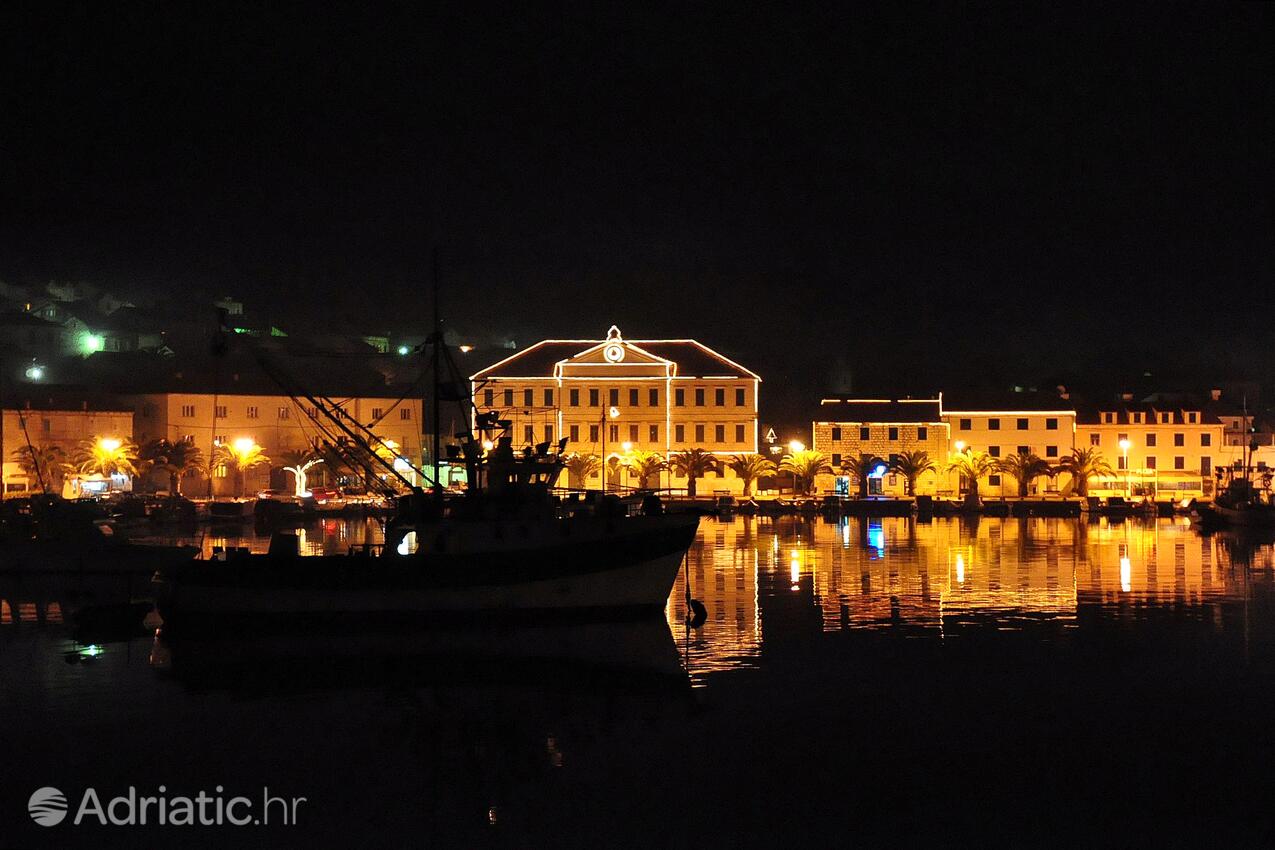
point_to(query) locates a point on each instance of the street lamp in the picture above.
(960, 446)
(1128, 474)
(611, 413)
(795, 446)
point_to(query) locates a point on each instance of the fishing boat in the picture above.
(1241, 503)
(508, 546)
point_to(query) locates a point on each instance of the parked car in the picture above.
(325, 494)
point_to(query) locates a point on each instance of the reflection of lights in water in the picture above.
(845, 532)
(960, 569)
(491, 815)
(91, 651)
(795, 569)
(876, 536)
(1126, 575)
(407, 545)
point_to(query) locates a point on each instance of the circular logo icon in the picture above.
(47, 807)
(613, 353)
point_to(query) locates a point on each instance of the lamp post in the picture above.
(960, 447)
(1128, 474)
(611, 413)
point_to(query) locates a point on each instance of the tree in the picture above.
(645, 465)
(43, 464)
(749, 467)
(299, 462)
(174, 459)
(861, 469)
(580, 468)
(693, 464)
(972, 466)
(1025, 467)
(106, 456)
(912, 465)
(240, 456)
(804, 466)
(1083, 464)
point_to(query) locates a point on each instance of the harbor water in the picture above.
(866, 682)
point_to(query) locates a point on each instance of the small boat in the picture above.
(233, 510)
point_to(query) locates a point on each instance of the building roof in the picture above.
(1091, 414)
(879, 410)
(1028, 402)
(690, 358)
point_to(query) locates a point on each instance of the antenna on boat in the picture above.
(437, 360)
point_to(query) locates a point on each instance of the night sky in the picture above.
(899, 198)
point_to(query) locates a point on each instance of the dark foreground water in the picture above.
(870, 683)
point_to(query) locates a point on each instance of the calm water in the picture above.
(873, 683)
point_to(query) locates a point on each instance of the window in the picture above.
(654, 435)
(1206, 466)
(613, 397)
(528, 435)
(1165, 418)
(188, 411)
(509, 398)
(220, 412)
(739, 433)
(699, 433)
(573, 397)
(1022, 424)
(679, 397)
(575, 433)
(633, 397)
(1095, 439)
(594, 398)
(699, 396)
(251, 411)
(679, 433)
(549, 397)
(994, 451)
(1108, 418)
(1051, 424)
(865, 433)
(965, 424)
(404, 414)
(528, 398)
(633, 433)
(922, 433)
(1051, 451)
(1179, 462)
(719, 396)
(993, 480)
(1151, 462)
(1179, 439)
(613, 433)
(894, 432)
(836, 433)
(836, 461)
(312, 412)
(377, 413)
(1136, 418)
(1150, 439)
(1191, 417)
(719, 433)
(593, 433)
(489, 398)
(653, 398)
(1206, 439)
(285, 413)
(1122, 462)
(993, 424)
(739, 396)
(548, 433)
(1022, 450)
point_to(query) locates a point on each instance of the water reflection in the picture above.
(934, 578)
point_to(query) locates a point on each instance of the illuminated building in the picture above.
(846, 428)
(1156, 448)
(668, 396)
(1039, 424)
(64, 423)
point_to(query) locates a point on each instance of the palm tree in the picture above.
(804, 466)
(749, 467)
(299, 462)
(861, 469)
(972, 466)
(580, 468)
(106, 456)
(175, 459)
(1083, 464)
(241, 456)
(44, 464)
(912, 465)
(645, 465)
(692, 464)
(1026, 467)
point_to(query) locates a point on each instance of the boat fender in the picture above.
(698, 614)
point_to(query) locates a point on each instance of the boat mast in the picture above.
(437, 358)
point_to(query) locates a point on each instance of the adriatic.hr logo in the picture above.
(48, 807)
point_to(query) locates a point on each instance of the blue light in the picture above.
(879, 470)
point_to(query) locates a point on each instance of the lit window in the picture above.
(1095, 439)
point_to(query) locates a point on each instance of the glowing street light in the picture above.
(35, 372)
(404, 350)
(109, 444)
(960, 446)
(1128, 474)
(626, 446)
(796, 446)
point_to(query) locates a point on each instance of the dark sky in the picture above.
(931, 195)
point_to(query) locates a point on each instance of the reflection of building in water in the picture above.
(723, 563)
(1161, 562)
